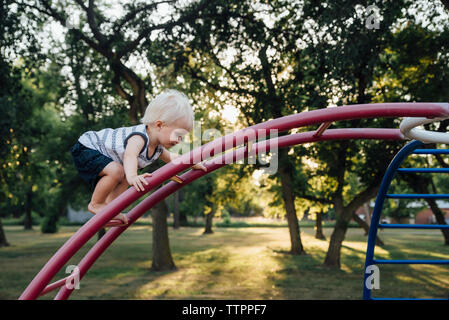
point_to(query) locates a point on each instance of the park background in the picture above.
(72, 66)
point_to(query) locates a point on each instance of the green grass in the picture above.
(218, 222)
(232, 263)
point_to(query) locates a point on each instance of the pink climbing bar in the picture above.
(236, 155)
(41, 280)
(322, 128)
(55, 285)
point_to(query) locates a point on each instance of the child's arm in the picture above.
(168, 156)
(132, 151)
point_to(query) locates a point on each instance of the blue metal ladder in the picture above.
(410, 148)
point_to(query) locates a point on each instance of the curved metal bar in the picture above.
(409, 128)
(206, 151)
(55, 285)
(212, 165)
(381, 196)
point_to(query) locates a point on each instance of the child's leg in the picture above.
(111, 176)
(118, 190)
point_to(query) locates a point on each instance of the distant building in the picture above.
(426, 216)
(364, 212)
(78, 216)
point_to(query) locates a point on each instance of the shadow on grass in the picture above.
(206, 267)
(413, 280)
(225, 265)
(305, 277)
(231, 264)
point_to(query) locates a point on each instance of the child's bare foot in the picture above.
(123, 218)
(94, 208)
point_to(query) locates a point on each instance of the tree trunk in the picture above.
(421, 185)
(439, 216)
(275, 104)
(343, 214)
(162, 259)
(137, 101)
(101, 233)
(176, 210)
(305, 217)
(208, 227)
(368, 214)
(183, 219)
(319, 226)
(3, 241)
(182, 215)
(365, 227)
(338, 235)
(289, 203)
(17, 211)
(28, 223)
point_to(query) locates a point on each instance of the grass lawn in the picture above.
(232, 263)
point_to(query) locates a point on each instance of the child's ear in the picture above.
(158, 124)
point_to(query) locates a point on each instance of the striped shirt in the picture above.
(112, 143)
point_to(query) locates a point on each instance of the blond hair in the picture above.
(169, 106)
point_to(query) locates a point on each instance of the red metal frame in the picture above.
(39, 284)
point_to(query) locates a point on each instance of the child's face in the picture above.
(171, 134)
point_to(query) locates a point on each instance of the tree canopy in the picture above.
(72, 66)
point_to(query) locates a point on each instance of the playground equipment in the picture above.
(408, 128)
(40, 284)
